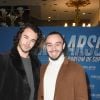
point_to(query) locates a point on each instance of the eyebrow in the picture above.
(28, 36)
(51, 43)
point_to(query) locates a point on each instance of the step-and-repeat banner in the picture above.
(83, 48)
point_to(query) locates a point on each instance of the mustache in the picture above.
(54, 50)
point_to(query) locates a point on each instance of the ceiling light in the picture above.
(65, 25)
(83, 25)
(89, 25)
(73, 24)
(49, 17)
(77, 4)
(83, 13)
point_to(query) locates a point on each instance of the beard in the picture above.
(54, 59)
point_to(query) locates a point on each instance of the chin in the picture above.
(25, 51)
(54, 58)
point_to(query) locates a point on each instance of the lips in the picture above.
(54, 53)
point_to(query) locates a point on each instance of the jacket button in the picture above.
(41, 97)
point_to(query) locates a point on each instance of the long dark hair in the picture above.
(36, 47)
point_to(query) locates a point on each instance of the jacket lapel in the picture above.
(17, 63)
(59, 78)
(61, 75)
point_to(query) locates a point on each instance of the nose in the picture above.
(28, 42)
(54, 47)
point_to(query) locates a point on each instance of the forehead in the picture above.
(54, 38)
(29, 32)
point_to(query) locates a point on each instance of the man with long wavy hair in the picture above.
(19, 69)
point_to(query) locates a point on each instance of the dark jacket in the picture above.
(13, 81)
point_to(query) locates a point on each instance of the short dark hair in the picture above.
(64, 41)
(32, 27)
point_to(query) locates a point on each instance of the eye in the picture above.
(33, 40)
(26, 37)
(49, 45)
(57, 44)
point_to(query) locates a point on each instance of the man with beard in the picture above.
(19, 69)
(61, 79)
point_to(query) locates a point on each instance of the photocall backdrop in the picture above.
(83, 48)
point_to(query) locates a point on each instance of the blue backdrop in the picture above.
(83, 48)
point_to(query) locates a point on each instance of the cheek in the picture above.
(22, 41)
(59, 48)
(32, 44)
(48, 49)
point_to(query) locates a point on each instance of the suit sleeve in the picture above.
(2, 72)
(81, 91)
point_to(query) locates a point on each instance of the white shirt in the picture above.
(50, 77)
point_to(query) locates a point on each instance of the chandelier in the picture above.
(9, 15)
(77, 4)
